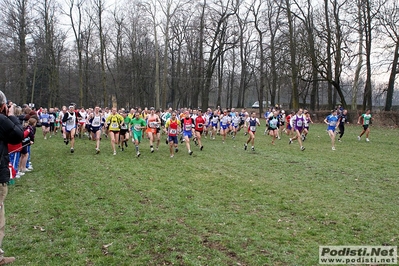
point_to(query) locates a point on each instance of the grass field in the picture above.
(220, 206)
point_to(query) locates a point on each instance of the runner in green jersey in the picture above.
(136, 125)
(366, 123)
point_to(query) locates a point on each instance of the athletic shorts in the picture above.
(289, 127)
(95, 129)
(66, 130)
(365, 127)
(115, 131)
(45, 125)
(224, 127)
(123, 132)
(331, 128)
(152, 130)
(188, 134)
(137, 135)
(173, 139)
(24, 150)
(300, 129)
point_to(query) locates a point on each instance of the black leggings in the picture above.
(341, 131)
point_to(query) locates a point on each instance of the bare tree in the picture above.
(360, 31)
(306, 18)
(16, 29)
(49, 40)
(75, 15)
(256, 13)
(99, 6)
(389, 21)
(151, 8)
(293, 52)
(218, 43)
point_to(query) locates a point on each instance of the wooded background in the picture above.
(204, 53)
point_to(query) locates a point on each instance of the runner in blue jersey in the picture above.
(332, 122)
(45, 120)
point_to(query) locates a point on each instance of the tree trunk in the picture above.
(293, 64)
(392, 76)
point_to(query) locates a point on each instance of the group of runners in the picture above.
(184, 125)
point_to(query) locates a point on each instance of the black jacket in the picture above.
(11, 131)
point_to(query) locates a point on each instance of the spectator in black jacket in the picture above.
(10, 132)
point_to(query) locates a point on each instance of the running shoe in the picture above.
(138, 154)
(245, 146)
(290, 142)
(152, 150)
(72, 150)
(176, 150)
(253, 148)
(201, 148)
(358, 137)
(190, 152)
(367, 139)
(114, 152)
(97, 151)
(302, 148)
(333, 148)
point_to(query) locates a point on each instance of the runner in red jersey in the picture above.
(199, 127)
(173, 127)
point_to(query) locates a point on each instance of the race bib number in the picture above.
(252, 128)
(200, 125)
(114, 125)
(299, 123)
(153, 124)
(188, 127)
(173, 131)
(96, 123)
(333, 123)
(137, 127)
(70, 122)
(123, 126)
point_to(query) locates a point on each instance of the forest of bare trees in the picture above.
(200, 53)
